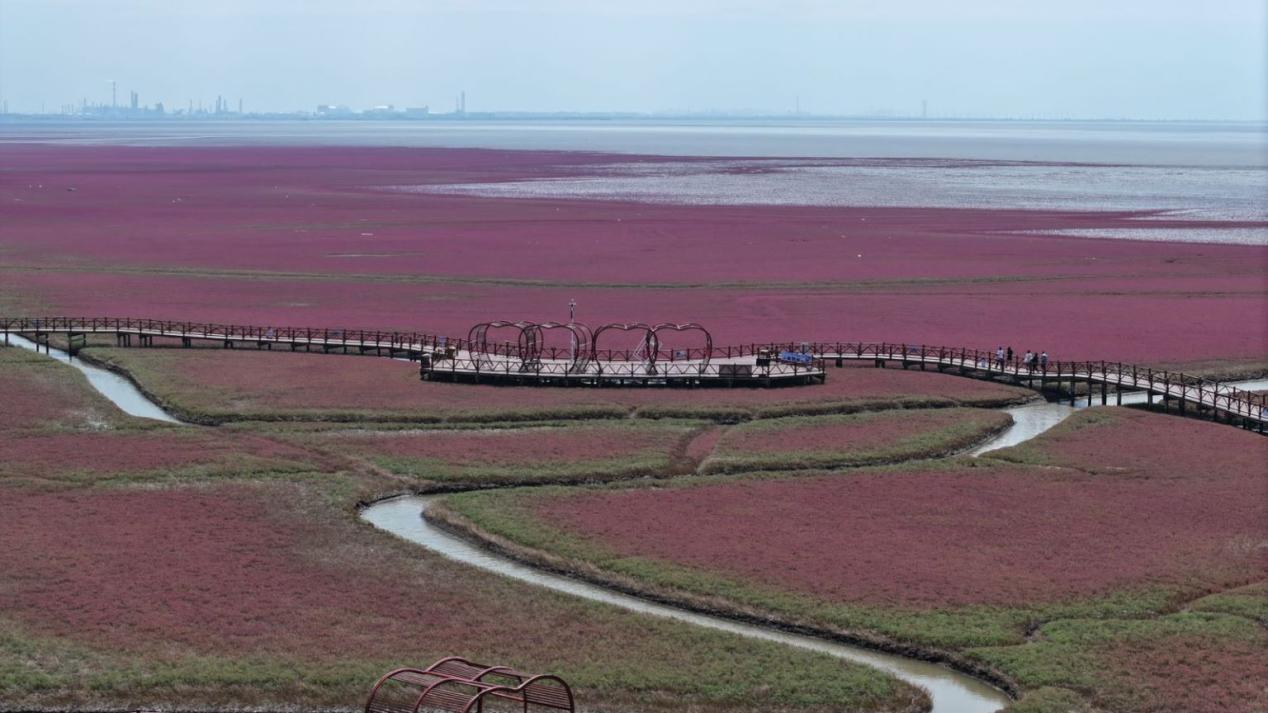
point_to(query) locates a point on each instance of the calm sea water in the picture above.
(1193, 171)
(1243, 144)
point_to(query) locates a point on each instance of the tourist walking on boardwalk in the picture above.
(1009, 355)
(1043, 361)
(1029, 360)
(999, 357)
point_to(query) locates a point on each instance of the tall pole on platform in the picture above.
(572, 336)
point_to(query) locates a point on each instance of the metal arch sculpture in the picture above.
(582, 339)
(461, 686)
(529, 343)
(705, 356)
(537, 688)
(478, 341)
(478, 335)
(648, 344)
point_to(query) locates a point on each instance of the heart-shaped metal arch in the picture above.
(648, 342)
(705, 356)
(529, 343)
(482, 351)
(531, 336)
(582, 340)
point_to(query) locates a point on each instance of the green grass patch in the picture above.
(804, 442)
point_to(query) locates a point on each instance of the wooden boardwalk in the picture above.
(443, 356)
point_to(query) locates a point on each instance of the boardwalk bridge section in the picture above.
(478, 358)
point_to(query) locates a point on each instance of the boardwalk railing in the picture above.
(1183, 388)
(416, 342)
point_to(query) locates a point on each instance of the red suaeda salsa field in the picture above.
(572, 453)
(944, 537)
(148, 563)
(320, 236)
(148, 454)
(156, 578)
(1123, 441)
(1095, 539)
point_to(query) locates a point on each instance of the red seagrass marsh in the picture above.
(320, 236)
(698, 357)
(232, 559)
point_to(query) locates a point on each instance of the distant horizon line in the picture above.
(124, 115)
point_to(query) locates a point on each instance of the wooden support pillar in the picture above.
(186, 342)
(1182, 400)
(1118, 396)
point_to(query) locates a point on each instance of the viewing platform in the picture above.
(756, 370)
(523, 357)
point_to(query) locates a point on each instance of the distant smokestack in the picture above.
(462, 102)
(113, 101)
(239, 105)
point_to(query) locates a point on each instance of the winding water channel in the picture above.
(950, 691)
(127, 397)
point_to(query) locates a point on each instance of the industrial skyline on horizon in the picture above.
(222, 108)
(1082, 59)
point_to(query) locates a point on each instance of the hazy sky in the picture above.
(1164, 59)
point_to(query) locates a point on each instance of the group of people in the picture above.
(1031, 360)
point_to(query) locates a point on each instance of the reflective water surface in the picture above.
(114, 387)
